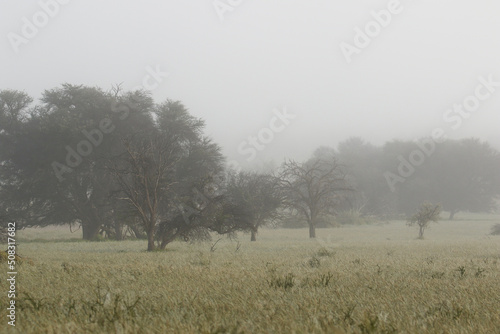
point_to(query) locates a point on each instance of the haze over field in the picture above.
(232, 65)
(233, 166)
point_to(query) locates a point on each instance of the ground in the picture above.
(365, 279)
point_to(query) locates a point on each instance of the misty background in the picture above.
(263, 56)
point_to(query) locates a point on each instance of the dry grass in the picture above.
(365, 279)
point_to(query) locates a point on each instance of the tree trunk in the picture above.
(254, 235)
(118, 231)
(90, 230)
(312, 231)
(151, 241)
(421, 232)
(151, 229)
(452, 214)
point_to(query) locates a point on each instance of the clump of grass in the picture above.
(479, 272)
(104, 307)
(437, 274)
(324, 252)
(314, 262)
(201, 260)
(461, 271)
(348, 314)
(373, 323)
(323, 280)
(449, 310)
(4, 257)
(284, 282)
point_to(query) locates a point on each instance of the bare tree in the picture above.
(145, 175)
(312, 188)
(425, 214)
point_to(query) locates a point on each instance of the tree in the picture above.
(146, 168)
(54, 170)
(463, 175)
(426, 213)
(459, 174)
(312, 188)
(144, 174)
(164, 173)
(259, 195)
(14, 108)
(362, 162)
(55, 175)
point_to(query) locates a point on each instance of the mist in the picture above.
(233, 65)
(232, 166)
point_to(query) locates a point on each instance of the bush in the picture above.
(495, 229)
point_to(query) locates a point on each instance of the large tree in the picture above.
(313, 188)
(259, 194)
(45, 141)
(362, 162)
(145, 175)
(54, 166)
(15, 107)
(463, 175)
(166, 174)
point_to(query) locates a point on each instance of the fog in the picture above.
(237, 166)
(236, 63)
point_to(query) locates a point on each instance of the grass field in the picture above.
(363, 279)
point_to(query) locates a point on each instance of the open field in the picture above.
(364, 279)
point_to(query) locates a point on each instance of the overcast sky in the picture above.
(237, 63)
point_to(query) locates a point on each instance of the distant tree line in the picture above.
(117, 163)
(461, 175)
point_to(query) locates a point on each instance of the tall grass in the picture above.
(284, 283)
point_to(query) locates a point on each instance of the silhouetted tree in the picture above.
(42, 188)
(260, 196)
(363, 166)
(312, 188)
(463, 175)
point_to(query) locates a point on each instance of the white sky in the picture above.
(273, 54)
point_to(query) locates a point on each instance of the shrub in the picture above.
(495, 229)
(286, 282)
